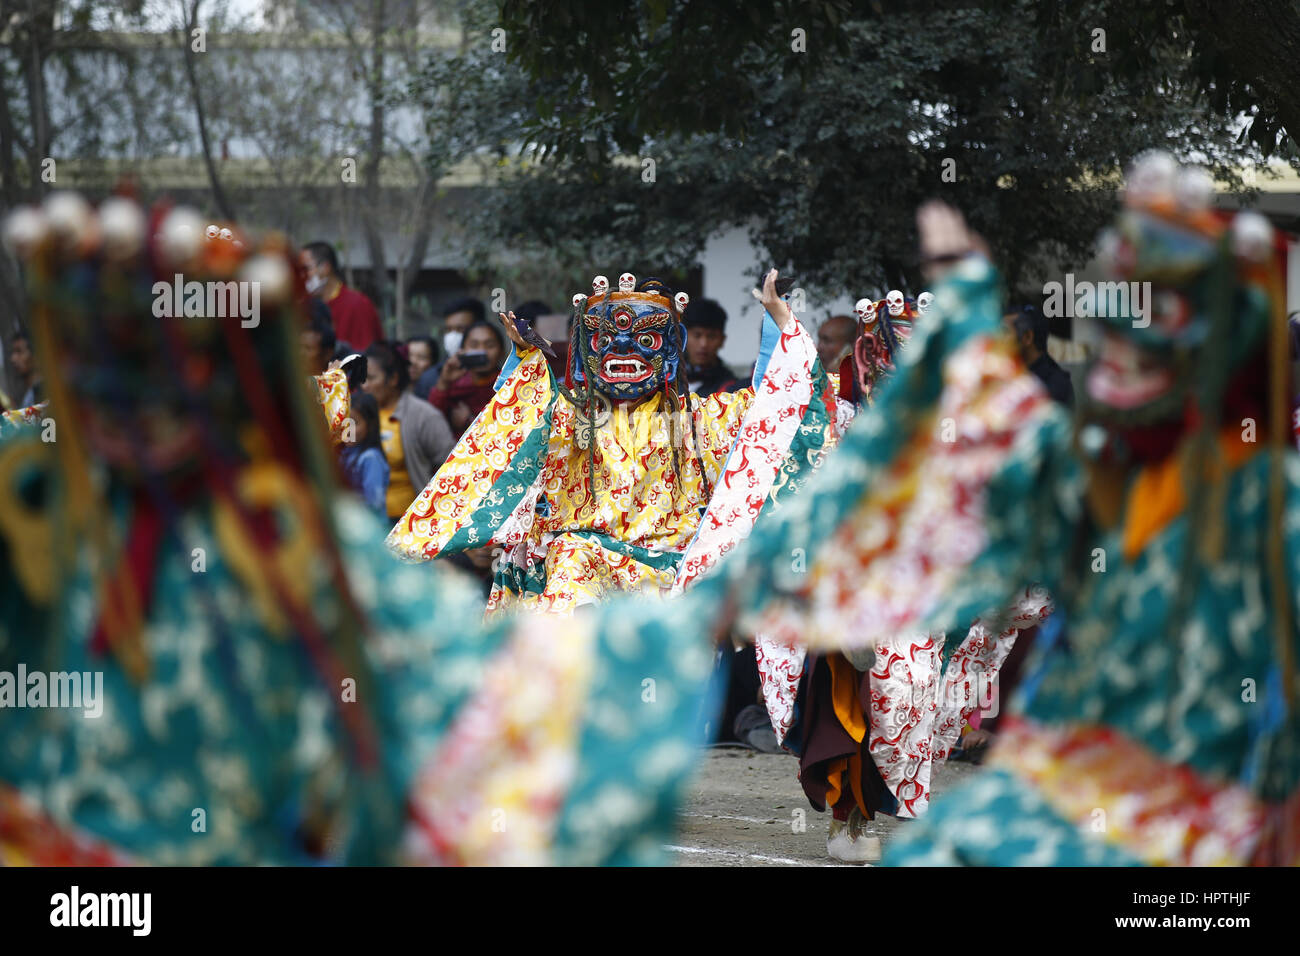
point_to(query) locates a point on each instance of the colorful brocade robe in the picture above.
(27, 417)
(457, 725)
(939, 503)
(520, 477)
(924, 688)
(335, 400)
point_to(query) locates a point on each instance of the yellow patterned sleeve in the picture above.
(483, 485)
(718, 418)
(332, 387)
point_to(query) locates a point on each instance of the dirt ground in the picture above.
(742, 812)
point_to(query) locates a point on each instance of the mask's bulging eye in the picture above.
(600, 342)
(648, 340)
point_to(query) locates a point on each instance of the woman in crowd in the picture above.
(413, 434)
(423, 356)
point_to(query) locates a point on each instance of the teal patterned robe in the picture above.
(1134, 744)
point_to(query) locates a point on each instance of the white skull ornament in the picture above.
(895, 302)
(179, 235)
(577, 299)
(599, 285)
(626, 282)
(682, 300)
(864, 310)
(69, 216)
(1193, 189)
(924, 301)
(212, 232)
(24, 230)
(1152, 177)
(1252, 236)
(271, 276)
(226, 234)
(123, 224)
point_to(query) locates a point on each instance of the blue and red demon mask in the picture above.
(628, 343)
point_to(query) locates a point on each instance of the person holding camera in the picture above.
(465, 385)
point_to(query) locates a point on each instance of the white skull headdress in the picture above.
(895, 302)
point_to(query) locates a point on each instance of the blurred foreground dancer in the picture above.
(1163, 522)
(868, 724)
(207, 656)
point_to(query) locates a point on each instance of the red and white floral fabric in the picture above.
(917, 712)
(918, 706)
(780, 666)
(780, 402)
(969, 680)
(27, 417)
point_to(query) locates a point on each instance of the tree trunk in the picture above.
(378, 263)
(399, 303)
(218, 194)
(419, 245)
(40, 27)
(11, 191)
(373, 210)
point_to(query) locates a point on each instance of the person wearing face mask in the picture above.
(594, 483)
(466, 383)
(456, 320)
(355, 319)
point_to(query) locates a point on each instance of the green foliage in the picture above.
(1241, 56)
(823, 155)
(655, 66)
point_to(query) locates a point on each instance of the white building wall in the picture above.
(729, 263)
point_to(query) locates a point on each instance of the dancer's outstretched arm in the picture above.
(921, 519)
(486, 490)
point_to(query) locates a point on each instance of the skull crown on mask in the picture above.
(883, 328)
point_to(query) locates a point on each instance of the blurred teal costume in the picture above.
(289, 692)
(1158, 730)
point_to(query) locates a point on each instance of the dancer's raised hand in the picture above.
(508, 323)
(945, 237)
(772, 301)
